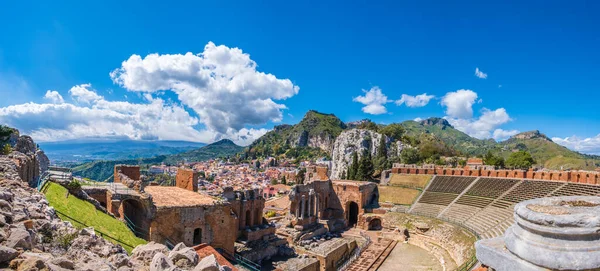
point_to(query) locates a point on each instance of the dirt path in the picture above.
(410, 258)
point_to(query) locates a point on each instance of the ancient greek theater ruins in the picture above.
(460, 219)
(343, 225)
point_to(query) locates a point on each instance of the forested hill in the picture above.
(103, 170)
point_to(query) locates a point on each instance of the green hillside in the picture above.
(294, 140)
(456, 139)
(83, 214)
(542, 149)
(103, 170)
(220, 149)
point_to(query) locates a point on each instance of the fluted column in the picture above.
(317, 206)
(298, 208)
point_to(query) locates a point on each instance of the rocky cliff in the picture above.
(31, 161)
(316, 130)
(358, 140)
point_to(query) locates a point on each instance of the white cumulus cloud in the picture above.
(459, 104)
(374, 101)
(54, 97)
(480, 74)
(84, 94)
(486, 126)
(415, 101)
(221, 84)
(590, 145)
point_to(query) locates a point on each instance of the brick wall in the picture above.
(587, 177)
(187, 179)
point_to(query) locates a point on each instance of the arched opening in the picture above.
(248, 219)
(375, 224)
(197, 236)
(133, 212)
(352, 214)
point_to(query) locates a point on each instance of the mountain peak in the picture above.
(531, 135)
(224, 142)
(435, 121)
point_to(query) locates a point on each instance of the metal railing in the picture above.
(137, 230)
(42, 179)
(240, 260)
(355, 254)
(102, 234)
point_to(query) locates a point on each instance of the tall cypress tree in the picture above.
(381, 159)
(353, 168)
(365, 167)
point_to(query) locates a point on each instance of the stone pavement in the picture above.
(374, 255)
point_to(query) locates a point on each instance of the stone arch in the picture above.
(134, 213)
(352, 215)
(375, 224)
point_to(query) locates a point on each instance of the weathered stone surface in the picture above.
(7, 254)
(184, 257)
(146, 252)
(208, 264)
(19, 238)
(357, 140)
(561, 233)
(160, 262)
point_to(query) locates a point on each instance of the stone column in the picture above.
(303, 206)
(317, 206)
(298, 202)
(311, 195)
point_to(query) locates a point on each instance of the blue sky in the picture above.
(540, 58)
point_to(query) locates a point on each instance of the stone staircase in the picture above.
(373, 256)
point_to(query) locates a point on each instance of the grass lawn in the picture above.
(397, 195)
(419, 181)
(85, 212)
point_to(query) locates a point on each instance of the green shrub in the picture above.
(7, 149)
(64, 240)
(270, 214)
(74, 185)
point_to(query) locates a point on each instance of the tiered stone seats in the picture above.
(578, 189)
(488, 218)
(450, 184)
(479, 196)
(440, 193)
(491, 188)
(431, 210)
(487, 206)
(530, 190)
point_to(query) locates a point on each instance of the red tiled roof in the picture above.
(204, 250)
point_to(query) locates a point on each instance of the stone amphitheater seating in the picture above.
(487, 205)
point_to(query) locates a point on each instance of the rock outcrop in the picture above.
(358, 140)
(531, 135)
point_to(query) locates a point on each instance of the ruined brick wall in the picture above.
(133, 172)
(365, 194)
(215, 222)
(248, 205)
(187, 179)
(587, 177)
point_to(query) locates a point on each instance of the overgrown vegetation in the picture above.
(84, 212)
(6, 149)
(398, 195)
(520, 160)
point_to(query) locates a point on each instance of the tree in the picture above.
(490, 159)
(410, 156)
(393, 131)
(7, 149)
(520, 160)
(353, 168)
(273, 181)
(365, 167)
(283, 180)
(381, 161)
